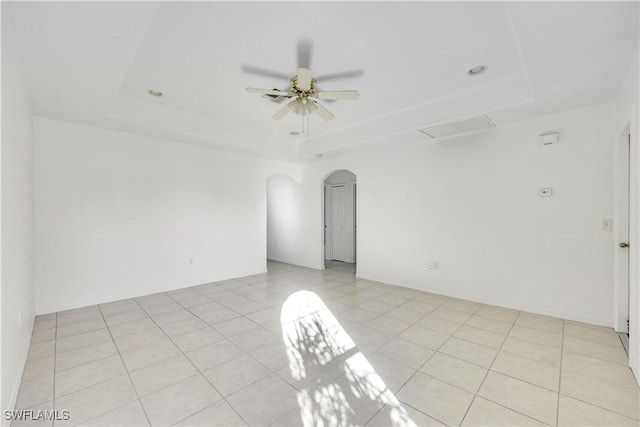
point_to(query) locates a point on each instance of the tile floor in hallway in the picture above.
(264, 350)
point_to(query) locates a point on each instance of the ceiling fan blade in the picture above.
(272, 92)
(283, 111)
(342, 75)
(304, 53)
(338, 94)
(279, 99)
(264, 72)
(323, 112)
(304, 79)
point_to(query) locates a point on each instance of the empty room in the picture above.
(320, 213)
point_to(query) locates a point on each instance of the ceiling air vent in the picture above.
(459, 127)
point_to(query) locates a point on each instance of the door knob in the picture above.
(624, 245)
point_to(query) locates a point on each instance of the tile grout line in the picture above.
(418, 410)
(379, 347)
(427, 361)
(635, 387)
(392, 337)
(248, 353)
(497, 352)
(93, 385)
(600, 407)
(85, 364)
(489, 370)
(599, 359)
(411, 324)
(584, 401)
(55, 362)
(126, 370)
(560, 376)
(485, 375)
(416, 370)
(359, 350)
(193, 364)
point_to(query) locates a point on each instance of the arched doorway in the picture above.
(339, 217)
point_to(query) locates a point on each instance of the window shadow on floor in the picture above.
(337, 386)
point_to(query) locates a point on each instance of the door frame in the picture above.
(354, 193)
(622, 229)
(630, 122)
(325, 197)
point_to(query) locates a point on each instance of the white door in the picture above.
(338, 234)
(327, 221)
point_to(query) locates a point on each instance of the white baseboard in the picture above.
(18, 378)
(520, 307)
(127, 295)
(314, 267)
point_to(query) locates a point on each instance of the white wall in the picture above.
(286, 225)
(628, 112)
(17, 295)
(120, 215)
(471, 203)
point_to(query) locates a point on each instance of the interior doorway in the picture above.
(339, 217)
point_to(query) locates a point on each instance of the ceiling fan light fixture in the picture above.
(478, 69)
(301, 107)
(304, 96)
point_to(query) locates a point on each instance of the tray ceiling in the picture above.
(93, 62)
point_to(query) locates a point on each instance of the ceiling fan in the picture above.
(304, 96)
(302, 93)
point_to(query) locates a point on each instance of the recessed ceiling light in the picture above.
(154, 92)
(294, 133)
(478, 69)
(318, 155)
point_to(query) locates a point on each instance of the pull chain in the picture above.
(305, 122)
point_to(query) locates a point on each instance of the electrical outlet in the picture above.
(433, 265)
(545, 192)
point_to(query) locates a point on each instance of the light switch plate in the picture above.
(549, 138)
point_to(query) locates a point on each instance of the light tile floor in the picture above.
(216, 355)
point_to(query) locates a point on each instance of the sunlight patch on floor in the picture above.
(337, 384)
